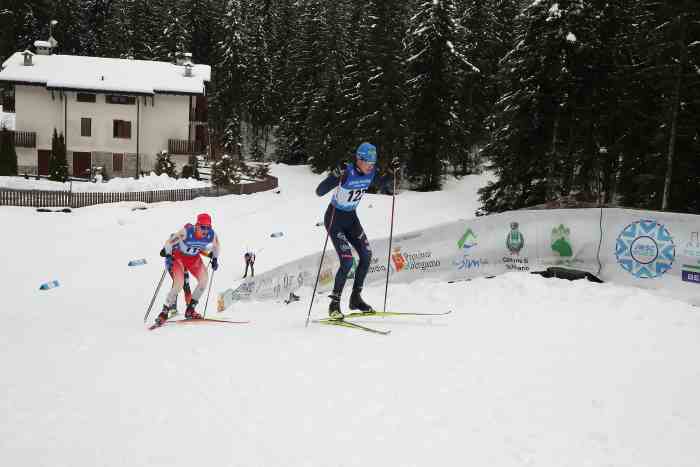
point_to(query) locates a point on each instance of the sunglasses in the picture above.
(204, 228)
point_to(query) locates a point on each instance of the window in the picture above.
(117, 162)
(115, 99)
(86, 97)
(121, 129)
(86, 127)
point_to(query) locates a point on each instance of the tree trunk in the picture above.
(675, 110)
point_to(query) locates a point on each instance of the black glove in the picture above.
(169, 262)
(395, 163)
(215, 263)
(163, 253)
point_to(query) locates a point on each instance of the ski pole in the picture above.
(155, 294)
(391, 236)
(320, 264)
(211, 281)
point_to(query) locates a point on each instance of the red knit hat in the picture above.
(204, 219)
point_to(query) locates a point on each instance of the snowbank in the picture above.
(115, 185)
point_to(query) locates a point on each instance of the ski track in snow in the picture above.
(525, 372)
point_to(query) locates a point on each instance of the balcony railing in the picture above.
(25, 139)
(182, 146)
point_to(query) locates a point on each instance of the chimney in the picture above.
(188, 69)
(27, 58)
(181, 58)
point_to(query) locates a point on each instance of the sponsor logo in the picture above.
(515, 240)
(374, 266)
(468, 240)
(421, 260)
(353, 269)
(467, 263)
(645, 249)
(397, 259)
(516, 264)
(690, 273)
(561, 243)
(692, 247)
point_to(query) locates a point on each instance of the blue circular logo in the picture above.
(645, 249)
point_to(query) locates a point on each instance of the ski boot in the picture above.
(190, 312)
(356, 302)
(164, 315)
(334, 307)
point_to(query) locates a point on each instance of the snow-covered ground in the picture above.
(525, 372)
(7, 119)
(113, 185)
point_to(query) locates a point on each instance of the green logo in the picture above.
(515, 240)
(560, 241)
(467, 241)
(351, 274)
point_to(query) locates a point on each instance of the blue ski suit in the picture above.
(341, 221)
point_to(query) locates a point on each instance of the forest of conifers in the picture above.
(593, 99)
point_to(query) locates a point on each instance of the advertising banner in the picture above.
(640, 248)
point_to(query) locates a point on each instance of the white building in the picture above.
(114, 113)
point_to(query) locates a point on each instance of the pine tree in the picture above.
(327, 128)
(531, 116)
(164, 165)
(58, 164)
(226, 95)
(377, 77)
(437, 67)
(307, 56)
(226, 171)
(8, 155)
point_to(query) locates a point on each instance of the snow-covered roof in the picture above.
(105, 74)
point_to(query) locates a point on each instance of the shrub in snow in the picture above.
(8, 155)
(262, 171)
(191, 170)
(58, 165)
(226, 171)
(164, 165)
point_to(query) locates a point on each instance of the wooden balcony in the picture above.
(182, 146)
(25, 139)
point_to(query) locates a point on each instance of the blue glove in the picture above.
(215, 263)
(169, 262)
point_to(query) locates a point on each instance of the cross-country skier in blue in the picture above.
(343, 225)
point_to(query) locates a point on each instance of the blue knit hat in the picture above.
(367, 152)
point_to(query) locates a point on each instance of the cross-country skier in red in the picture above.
(182, 253)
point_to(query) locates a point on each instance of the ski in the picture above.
(348, 324)
(210, 320)
(363, 314)
(193, 321)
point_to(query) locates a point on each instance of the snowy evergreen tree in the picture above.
(164, 165)
(8, 155)
(58, 164)
(376, 78)
(437, 68)
(226, 171)
(226, 96)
